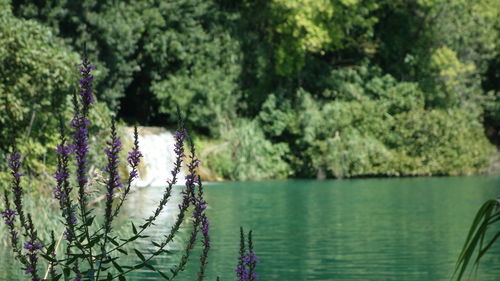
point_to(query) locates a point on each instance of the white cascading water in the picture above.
(157, 147)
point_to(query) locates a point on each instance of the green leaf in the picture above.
(113, 241)
(122, 251)
(139, 266)
(134, 230)
(149, 266)
(89, 221)
(485, 249)
(117, 266)
(51, 247)
(82, 238)
(49, 258)
(132, 238)
(93, 242)
(66, 272)
(139, 254)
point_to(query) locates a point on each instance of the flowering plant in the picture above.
(245, 271)
(92, 250)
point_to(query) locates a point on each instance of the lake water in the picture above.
(409, 229)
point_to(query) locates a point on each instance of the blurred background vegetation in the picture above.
(272, 89)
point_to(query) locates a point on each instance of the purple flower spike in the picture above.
(115, 146)
(134, 157)
(9, 217)
(81, 124)
(15, 165)
(63, 188)
(245, 270)
(180, 136)
(14, 161)
(86, 82)
(200, 207)
(80, 147)
(241, 272)
(32, 246)
(205, 227)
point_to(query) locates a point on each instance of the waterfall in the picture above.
(157, 147)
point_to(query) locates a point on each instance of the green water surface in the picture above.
(367, 229)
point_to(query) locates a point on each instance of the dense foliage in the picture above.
(35, 77)
(327, 88)
(37, 74)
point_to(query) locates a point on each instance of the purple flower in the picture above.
(9, 216)
(86, 91)
(29, 270)
(14, 165)
(72, 217)
(249, 261)
(81, 124)
(245, 270)
(81, 148)
(134, 157)
(62, 173)
(241, 272)
(194, 164)
(180, 136)
(205, 228)
(200, 206)
(32, 246)
(61, 176)
(115, 146)
(64, 150)
(14, 161)
(63, 188)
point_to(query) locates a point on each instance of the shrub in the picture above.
(246, 154)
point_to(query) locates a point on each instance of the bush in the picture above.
(35, 78)
(243, 153)
(368, 124)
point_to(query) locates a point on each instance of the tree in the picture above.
(37, 71)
